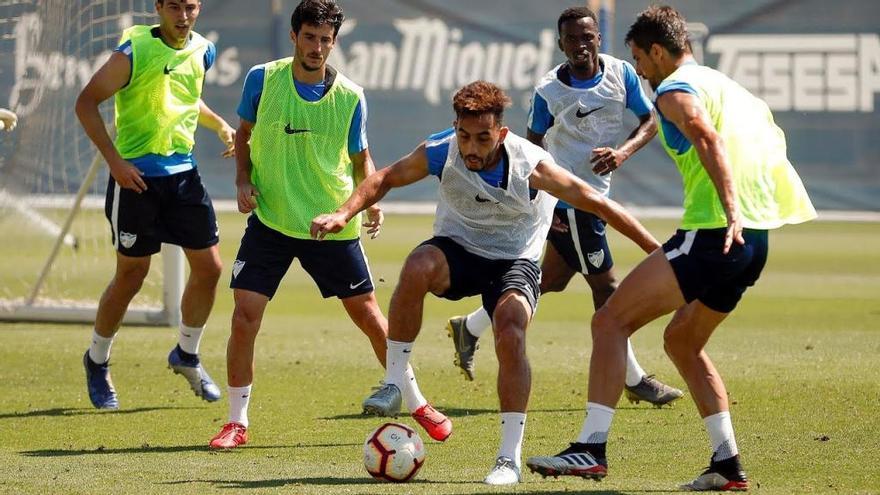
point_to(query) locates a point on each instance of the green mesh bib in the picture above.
(158, 111)
(299, 151)
(769, 191)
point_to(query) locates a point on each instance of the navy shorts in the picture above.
(715, 279)
(175, 209)
(584, 247)
(470, 275)
(339, 268)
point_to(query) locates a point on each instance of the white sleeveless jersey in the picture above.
(584, 119)
(495, 222)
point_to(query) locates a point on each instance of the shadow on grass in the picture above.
(144, 449)
(479, 488)
(570, 491)
(275, 483)
(453, 412)
(83, 411)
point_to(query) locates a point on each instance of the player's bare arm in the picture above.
(535, 138)
(687, 113)
(538, 140)
(560, 183)
(606, 160)
(210, 120)
(110, 78)
(411, 168)
(246, 191)
(363, 168)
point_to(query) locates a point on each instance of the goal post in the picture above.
(56, 257)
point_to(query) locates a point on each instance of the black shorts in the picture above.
(339, 268)
(470, 275)
(584, 247)
(715, 279)
(175, 209)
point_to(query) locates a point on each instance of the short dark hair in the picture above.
(660, 24)
(573, 14)
(479, 98)
(317, 13)
(162, 2)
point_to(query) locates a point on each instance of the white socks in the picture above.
(397, 362)
(477, 322)
(99, 351)
(190, 337)
(634, 372)
(721, 435)
(596, 424)
(411, 393)
(239, 398)
(513, 426)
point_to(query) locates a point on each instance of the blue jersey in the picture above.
(253, 90)
(153, 165)
(673, 137)
(540, 119)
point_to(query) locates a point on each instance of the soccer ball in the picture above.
(393, 452)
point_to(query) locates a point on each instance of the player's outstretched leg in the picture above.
(465, 345)
(576, 460)
(100, 386)
(652, 390)
(726, 475)
(189, 365)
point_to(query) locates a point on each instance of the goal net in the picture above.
(55, 256)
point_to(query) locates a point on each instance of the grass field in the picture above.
(800, 358)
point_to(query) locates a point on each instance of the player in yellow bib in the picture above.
(302, 150)
(738, 185)
(155, 193)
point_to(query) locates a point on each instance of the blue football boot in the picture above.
(100, 386)
(191, 369)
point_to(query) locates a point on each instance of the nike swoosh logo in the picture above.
(355, 286)
(581, 115)
(167, 70)
(481, 199)
(407, 351)
(291, 130)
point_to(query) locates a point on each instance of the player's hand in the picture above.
(247, 197)
(227, 137)
(128, 176)
(8, 120)
(734, 232)
(606, 160)
(557, 225)
(329, 223)
(374, 220)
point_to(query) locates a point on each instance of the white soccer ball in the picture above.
(393, 452)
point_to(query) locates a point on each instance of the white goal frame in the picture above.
(32, 310)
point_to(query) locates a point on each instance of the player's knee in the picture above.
(510, 340)
(554, 284)
(420, 269)
(207, 271)
(675, 344)
(130, 277)
(245, 322)
(605, 324)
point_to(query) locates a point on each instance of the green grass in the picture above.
(800, 358)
